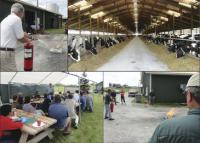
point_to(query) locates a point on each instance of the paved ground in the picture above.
(49, 53)
(134, 57)
(135, 123)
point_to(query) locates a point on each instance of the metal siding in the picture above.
(167, 88)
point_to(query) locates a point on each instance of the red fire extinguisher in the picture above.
(28, 57)
(112, 106)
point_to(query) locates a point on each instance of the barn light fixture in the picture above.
(107, 20)
(174, 13)
(83, 4)
(164, 18)
(187, 3)
(135, 5)
(97, 15)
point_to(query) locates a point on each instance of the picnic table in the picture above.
(38, 132)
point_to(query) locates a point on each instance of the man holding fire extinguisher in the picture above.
(11, 32)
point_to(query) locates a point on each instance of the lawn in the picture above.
(90, 129)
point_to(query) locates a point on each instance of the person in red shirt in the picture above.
(9, 130)
(122, 93)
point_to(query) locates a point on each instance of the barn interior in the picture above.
(145, 31)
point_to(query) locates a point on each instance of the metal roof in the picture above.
(172, 73)
(122, 11)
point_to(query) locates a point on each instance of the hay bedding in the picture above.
(185, 63)
(93, 62)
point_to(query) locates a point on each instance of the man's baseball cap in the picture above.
(194, 81)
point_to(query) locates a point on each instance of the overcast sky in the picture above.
(61, 3)
(129, 78)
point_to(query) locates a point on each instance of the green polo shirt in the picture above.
(179, 130)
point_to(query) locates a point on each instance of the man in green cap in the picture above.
(183, 129)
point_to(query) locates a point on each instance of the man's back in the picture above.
(71, 104)
(113, 94)
(28, 108)
(107, 99)
(76, 97)
(11, 31)
(83, 102)
(179, 130)
(89, 102)
(59, 112)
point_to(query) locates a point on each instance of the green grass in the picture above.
(90, 129)
(55, 31)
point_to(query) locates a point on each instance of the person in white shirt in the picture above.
(77, 99)
(71, 106)
(50, 91)
(76, 96)
(11, 31)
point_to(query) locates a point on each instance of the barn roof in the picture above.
(122, 14)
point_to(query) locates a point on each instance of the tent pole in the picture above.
(9, 92)
(79, 83)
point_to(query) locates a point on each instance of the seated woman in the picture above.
(71, 106)
(9, 130)
(27, 107)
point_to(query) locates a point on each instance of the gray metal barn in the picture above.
(48, 19)
(167, 86)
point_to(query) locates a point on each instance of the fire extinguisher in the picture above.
(28, 57)
(112, 106)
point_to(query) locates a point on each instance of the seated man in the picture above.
(9, 130)
(59, 112)
(83, 102)
(46, 103)
(183, 129)
(77, 99)
(71, 105)
(89, 102)
(27, 107)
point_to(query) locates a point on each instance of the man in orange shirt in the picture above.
(122, 93)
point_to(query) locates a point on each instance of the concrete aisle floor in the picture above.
(135, 123)
(44, 60)
(134, 57)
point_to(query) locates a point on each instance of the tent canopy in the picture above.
(48, 77)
